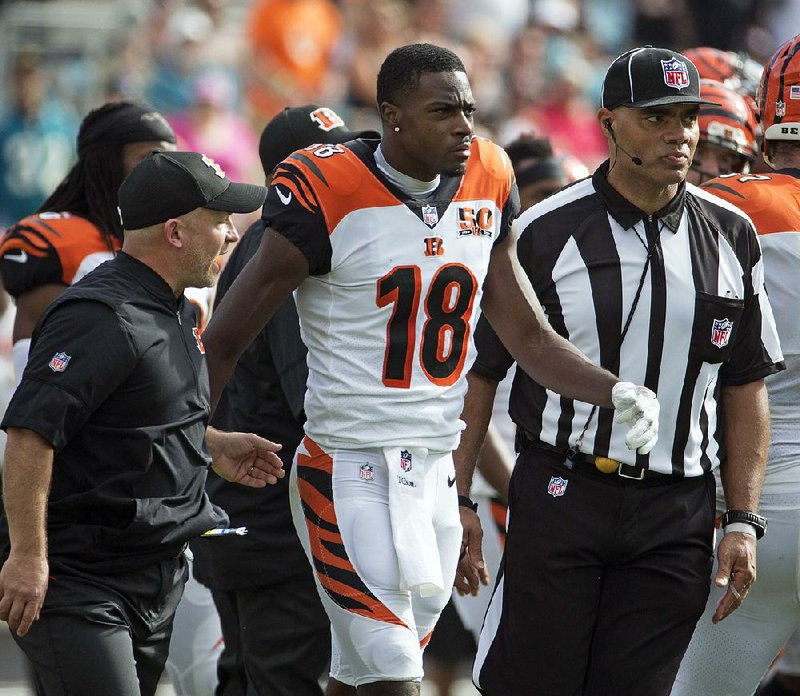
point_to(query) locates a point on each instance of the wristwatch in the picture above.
(758, 522)
(465, 501)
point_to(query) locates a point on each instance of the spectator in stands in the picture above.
(36, 136)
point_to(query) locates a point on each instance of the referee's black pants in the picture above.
(601, 587)
(105, 636)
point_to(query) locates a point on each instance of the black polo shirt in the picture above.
(117, 383)
(265, 396)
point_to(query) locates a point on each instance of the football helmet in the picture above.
(738, 71)
(735, 70)
(731, 125)
(778, 95)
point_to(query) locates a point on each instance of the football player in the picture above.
(392, 244)
(732, 657)
(78, 226)
(727, 134)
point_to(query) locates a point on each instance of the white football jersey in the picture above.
(394, 292)
(772, 200)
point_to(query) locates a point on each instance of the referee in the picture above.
(609, 552)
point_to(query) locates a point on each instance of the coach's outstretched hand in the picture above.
(637, 407)
(244, 458)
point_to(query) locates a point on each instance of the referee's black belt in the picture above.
(609, 469)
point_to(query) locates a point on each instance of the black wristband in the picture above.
(758, 522)
(465, 501)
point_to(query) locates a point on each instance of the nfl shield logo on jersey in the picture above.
(59, 362)
(405, 460)
(430, 216)
(367, 472)
(721, 332)
(557, 486)
(780, 108)
(675, 73)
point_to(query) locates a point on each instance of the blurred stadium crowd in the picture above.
(220, 69)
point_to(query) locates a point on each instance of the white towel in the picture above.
(412, 524)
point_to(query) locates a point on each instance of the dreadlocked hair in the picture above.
(90, 190)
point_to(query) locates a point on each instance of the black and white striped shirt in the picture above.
(703, 319)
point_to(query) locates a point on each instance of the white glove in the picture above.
(638, 407)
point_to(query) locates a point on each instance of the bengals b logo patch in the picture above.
(434, 246)
(326, 119)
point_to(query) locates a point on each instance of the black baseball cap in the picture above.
(300, 126)
(650, 76)
(166, 185)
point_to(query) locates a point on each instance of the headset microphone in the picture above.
(633, 158)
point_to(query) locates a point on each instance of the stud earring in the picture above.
(397, 129)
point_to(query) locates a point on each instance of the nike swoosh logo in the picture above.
(21, 257)
(450, 481)
(284, 199)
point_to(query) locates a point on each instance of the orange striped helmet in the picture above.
(738, 71)
(778, 95)
(735, 70)
(731, 125)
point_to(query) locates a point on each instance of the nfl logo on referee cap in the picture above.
(557, 486)
(675, 73)
(59, 362)
(721, 332)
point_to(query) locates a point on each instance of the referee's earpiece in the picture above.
(633, 158)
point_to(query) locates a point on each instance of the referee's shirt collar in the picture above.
(626, 213)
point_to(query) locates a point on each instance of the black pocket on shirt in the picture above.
(716, 320)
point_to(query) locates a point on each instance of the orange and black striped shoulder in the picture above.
(331, 180)
(772, 201)
(48, 248)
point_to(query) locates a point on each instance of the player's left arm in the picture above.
(496, 462)
(747, 440)
(471, 572)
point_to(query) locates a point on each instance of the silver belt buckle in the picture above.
(628, 476)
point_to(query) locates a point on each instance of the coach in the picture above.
(106, 458)
(609, 552)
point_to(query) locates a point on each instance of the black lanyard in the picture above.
(650, 248)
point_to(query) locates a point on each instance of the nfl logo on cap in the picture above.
(59, 362)
(675, 73)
